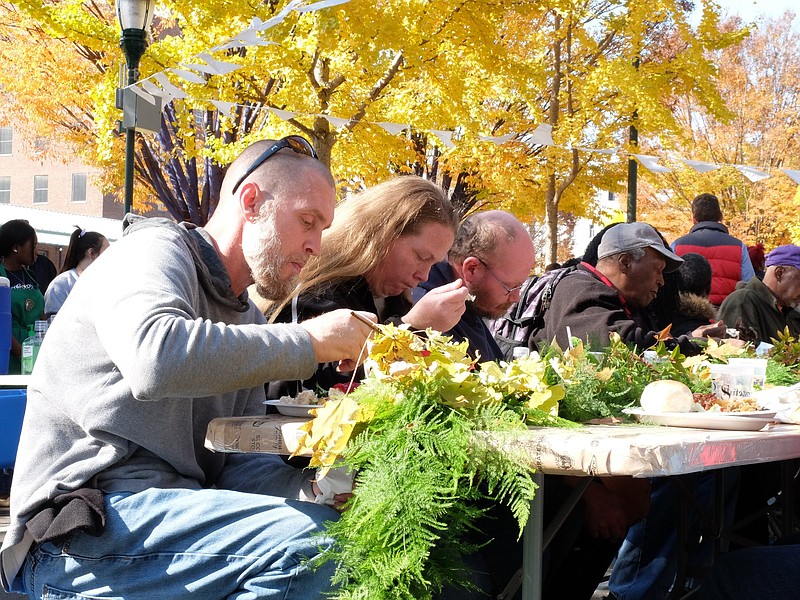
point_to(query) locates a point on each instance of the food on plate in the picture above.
(711, 403)
(666, 395)
(306, 397)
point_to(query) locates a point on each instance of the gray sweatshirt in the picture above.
(150, 345)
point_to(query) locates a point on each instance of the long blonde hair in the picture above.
(366, 225)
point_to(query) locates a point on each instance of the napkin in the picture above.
(336, 481)
(784, 400)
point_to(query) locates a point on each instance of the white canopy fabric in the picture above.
(54, 228)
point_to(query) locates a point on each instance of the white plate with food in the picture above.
(292, 410)
(703, 420)
(758, 414)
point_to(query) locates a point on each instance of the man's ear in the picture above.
(249, 200)
(624, 262)
(468, 266)
(779, 272)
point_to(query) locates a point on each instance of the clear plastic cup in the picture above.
(759, 366)
(730, 382)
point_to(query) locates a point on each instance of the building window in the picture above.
(39, 189)
(79, 187)
(6, 136)
(5, 189)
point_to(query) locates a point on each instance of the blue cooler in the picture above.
(12, 409)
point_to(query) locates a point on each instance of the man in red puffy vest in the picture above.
(730, 261)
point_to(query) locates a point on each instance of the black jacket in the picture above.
(693, 311)
(592, 310)
(353, 294)
(471, 327)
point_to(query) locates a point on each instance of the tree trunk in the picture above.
(551, 199)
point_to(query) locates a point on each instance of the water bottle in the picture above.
(31, 345)
(520, 351)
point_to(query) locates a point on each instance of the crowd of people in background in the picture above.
(166, 317)
(38, 289)
(32, 279)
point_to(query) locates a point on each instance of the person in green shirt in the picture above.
(18, 249)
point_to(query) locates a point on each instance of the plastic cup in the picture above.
(730, 382)
(759, 366)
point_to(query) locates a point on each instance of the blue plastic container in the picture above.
(5, 325)
(12, 410)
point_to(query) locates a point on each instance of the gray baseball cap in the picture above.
(627, 236)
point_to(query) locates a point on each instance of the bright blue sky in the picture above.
(751, 10)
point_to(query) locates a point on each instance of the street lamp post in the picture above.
(134, 17)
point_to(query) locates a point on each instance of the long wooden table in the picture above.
(590, 451)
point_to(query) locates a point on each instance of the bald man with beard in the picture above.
(114, 493)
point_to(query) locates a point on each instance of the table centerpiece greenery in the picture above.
(409, 433)
(418, 432)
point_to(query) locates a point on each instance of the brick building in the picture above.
(53, 194)
(30, 177)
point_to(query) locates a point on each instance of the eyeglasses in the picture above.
(509, 290)
(294, 142)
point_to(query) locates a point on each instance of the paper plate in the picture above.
(758, 414)
(292, 410)
(702, 420)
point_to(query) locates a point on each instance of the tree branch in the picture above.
(379, 86)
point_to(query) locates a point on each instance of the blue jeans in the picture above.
(771, 572)
(169, 544)
(646, 564)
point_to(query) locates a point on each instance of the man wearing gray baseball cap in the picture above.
(631, 236)
(595, 301)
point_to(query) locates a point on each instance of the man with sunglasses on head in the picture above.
(114, 493)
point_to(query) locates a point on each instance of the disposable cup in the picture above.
(730, 382)
(759, 366)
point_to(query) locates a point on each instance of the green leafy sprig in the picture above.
(424, 433)
(422, 471)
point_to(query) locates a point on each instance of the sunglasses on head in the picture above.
(294, 142)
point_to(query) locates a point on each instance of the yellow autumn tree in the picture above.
(484, 69)
(607, 68)
(761, 89)
(403, 62)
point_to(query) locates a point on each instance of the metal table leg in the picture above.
(533, 548)
(532, 544)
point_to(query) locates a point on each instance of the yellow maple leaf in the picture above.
(605, 374)
(327, 434)
(721, 351)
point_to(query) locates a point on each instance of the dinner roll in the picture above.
(666, 395)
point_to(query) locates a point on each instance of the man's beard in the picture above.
(493, 313)
(263, 252)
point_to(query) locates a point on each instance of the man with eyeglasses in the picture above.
(114, 493)
(493, 255)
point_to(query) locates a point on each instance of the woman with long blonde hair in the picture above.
(382, 243)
